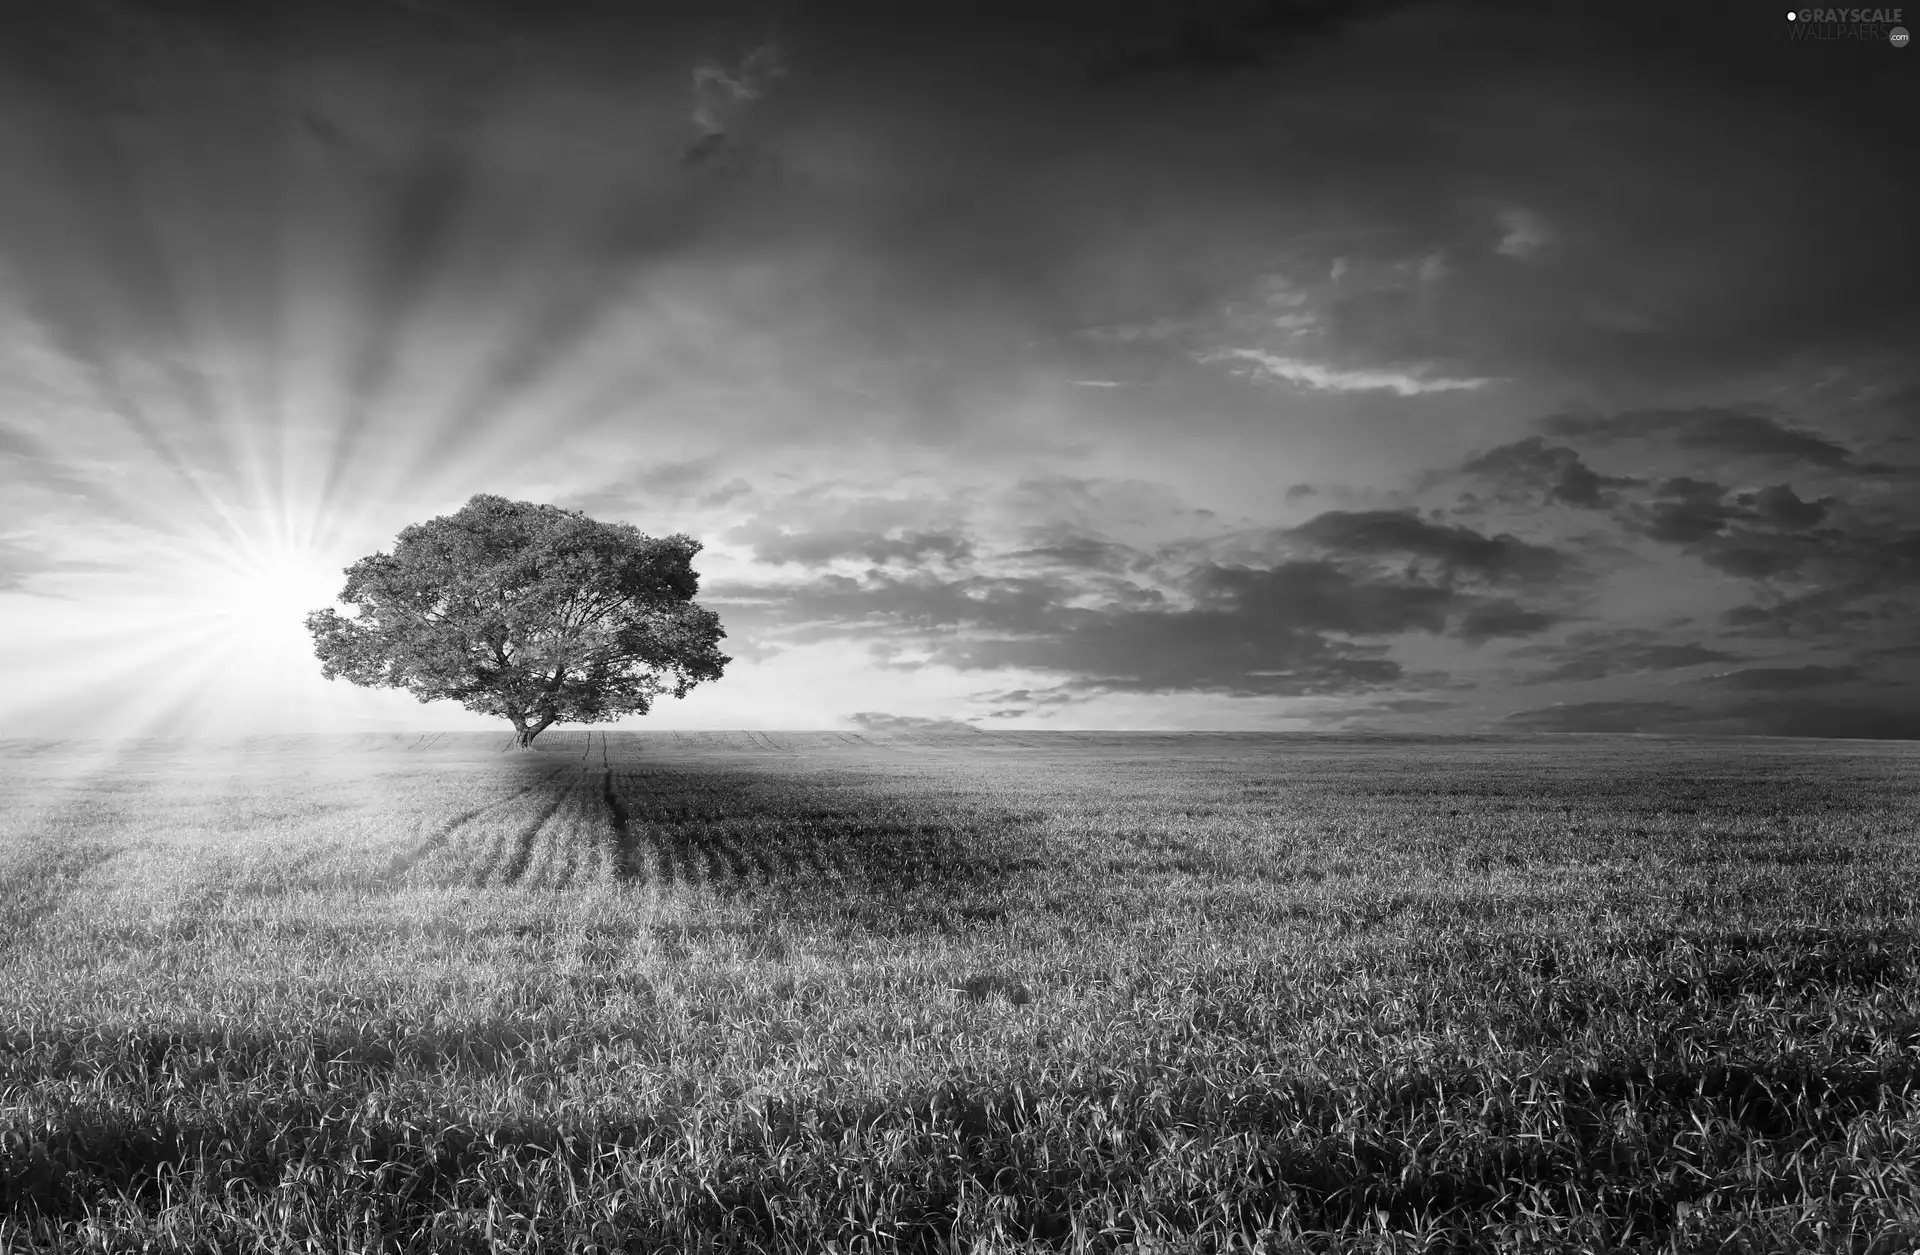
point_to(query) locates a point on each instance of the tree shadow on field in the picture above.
(836, 851)
(825, 851)
(524, 782)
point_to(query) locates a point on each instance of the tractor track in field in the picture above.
(445, 833)
(514, 869)
(627, 862)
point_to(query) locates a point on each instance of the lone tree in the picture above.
(533, 613)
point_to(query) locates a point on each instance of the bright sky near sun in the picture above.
(1402, 366)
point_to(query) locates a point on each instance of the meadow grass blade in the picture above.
(1042, 992)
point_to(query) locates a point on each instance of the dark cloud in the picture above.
(1782, 507)
(1322, 597)
(1600, 716)
(1400, 706)
(1555, 471)
(1503, 618)
(1383, 533)
(1213, 38)
(1778, 679)
(1687, 488)
(1300, 492)
(732, 490)
(1296, 627)
(1772, 716)
(1595, 655)
(1836, 611)
(879, 721)
(1715, 430)
(1086, 553)
(1864, 720)
(1772, 533)
(1024, 702)
(1695, 516)
(1249, 630)
(1754, 562)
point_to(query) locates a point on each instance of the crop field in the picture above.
(991, 992)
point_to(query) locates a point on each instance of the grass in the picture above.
(649, 992)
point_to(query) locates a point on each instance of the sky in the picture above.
(1378, 366)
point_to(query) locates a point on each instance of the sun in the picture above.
(255, 595)
(268, 599)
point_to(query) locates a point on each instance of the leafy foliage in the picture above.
(533, 613)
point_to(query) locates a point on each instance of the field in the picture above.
(639, 992)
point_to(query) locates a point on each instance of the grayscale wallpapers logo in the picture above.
(1848, 24)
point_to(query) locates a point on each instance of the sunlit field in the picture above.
(658, 992)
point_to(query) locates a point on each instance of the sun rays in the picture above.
(259, 344)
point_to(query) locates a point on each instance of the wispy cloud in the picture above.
(720, 93)
(1325, 378)
(1523, 233)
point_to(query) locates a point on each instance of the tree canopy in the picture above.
(533, 613)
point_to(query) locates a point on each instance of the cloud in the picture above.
(1600, 716)
(1788, 717)
(1781, 506)
(28, 461)
(732, 490)
(879, 721)
(1716, 430)
(1596, 655)
(1696, 514)
(822, 547)
(19, 563)
(655, 484)
(1085, 553)
(1211, 41)
(1773, 533)
(1247, 631)
(1259, 617)
(1322, 597)
(1555, 471)
(720, 94)
(1020, 703)
(1405, 383)
(1503, 618)
(1402, 706)
(1841, 609)
(1523, 233)
(1777, 679)
(1867, 720)
(1375, 533)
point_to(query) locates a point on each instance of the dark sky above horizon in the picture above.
(1421, 366)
